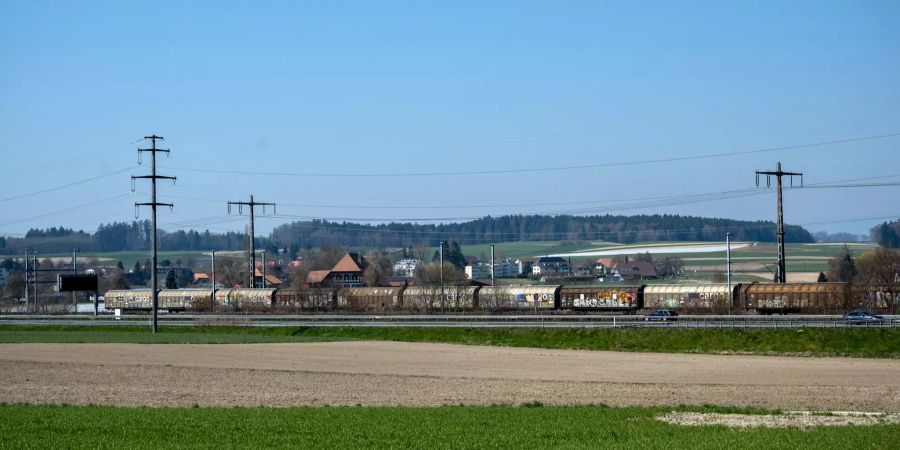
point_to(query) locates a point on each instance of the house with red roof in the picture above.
(348, 272)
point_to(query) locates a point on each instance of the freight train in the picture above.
(741, 298)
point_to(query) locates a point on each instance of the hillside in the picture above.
(117, 237)
(622, 229)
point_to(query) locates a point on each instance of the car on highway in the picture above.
(863, 317)
(662, 315)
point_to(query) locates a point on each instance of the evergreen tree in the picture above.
(822, 278)
(455, 255)
(842, 267)
(887, 237)
(171, 282)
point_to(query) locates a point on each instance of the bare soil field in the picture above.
(415, 374)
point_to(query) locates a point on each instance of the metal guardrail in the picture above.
(484, 321)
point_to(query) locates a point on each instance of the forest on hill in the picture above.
(135, 236)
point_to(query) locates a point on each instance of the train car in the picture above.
(691, 298)
(624, 298)
(318, 299)
(242, 299)
(169, 299)
(428, 298)
(369, 298)
(874, 297)
(493, 298)
(184, 299)
(807, 298)
(129, 299)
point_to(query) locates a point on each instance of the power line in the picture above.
(652, 202)
(75, 183)
(540, 169)
(67, 210)
(858, 185)
(68, 162)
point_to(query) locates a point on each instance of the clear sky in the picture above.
(411, 87)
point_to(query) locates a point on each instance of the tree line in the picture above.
(135, 236)
(623, 229)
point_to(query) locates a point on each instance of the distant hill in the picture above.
(134, 236)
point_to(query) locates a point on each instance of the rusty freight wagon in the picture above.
(807, 298)
(369, 298)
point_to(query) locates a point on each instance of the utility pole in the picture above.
(264, 269)
(442, 275)
(153, 204)
(34, 280)
(252, 204)
(728, 269)
(27, 300)
(74, 272)
(778, 173)
(213, 278)
(492, 265)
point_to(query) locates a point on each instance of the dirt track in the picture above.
(389, 373)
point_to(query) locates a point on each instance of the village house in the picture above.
(348, 272)
(551, 265)
(636, 270)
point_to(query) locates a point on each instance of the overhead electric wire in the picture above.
(63, 186)
(66, 210)
(651, 202)
(857, 185)
(565, 234)
(68, 162)
(538, 169)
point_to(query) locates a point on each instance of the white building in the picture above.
(502, 269)
(551, 265)
(506, 269)
(479, 271)
(406, 268)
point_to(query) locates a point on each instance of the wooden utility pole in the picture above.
(252, 205)
(153, 204)
(780, 277)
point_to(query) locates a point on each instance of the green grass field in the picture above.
(141, 335)
(25, 426)
(530, 249)
(801, 257)
(870, 343)
(129, 258)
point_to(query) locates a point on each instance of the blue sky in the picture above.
(403, 87)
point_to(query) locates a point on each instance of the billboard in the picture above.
(73, 283)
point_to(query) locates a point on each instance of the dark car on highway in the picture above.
(863, 317)
(662, 314)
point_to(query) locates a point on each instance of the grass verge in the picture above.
(529, 426)
(869, 343)
(142, 335)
